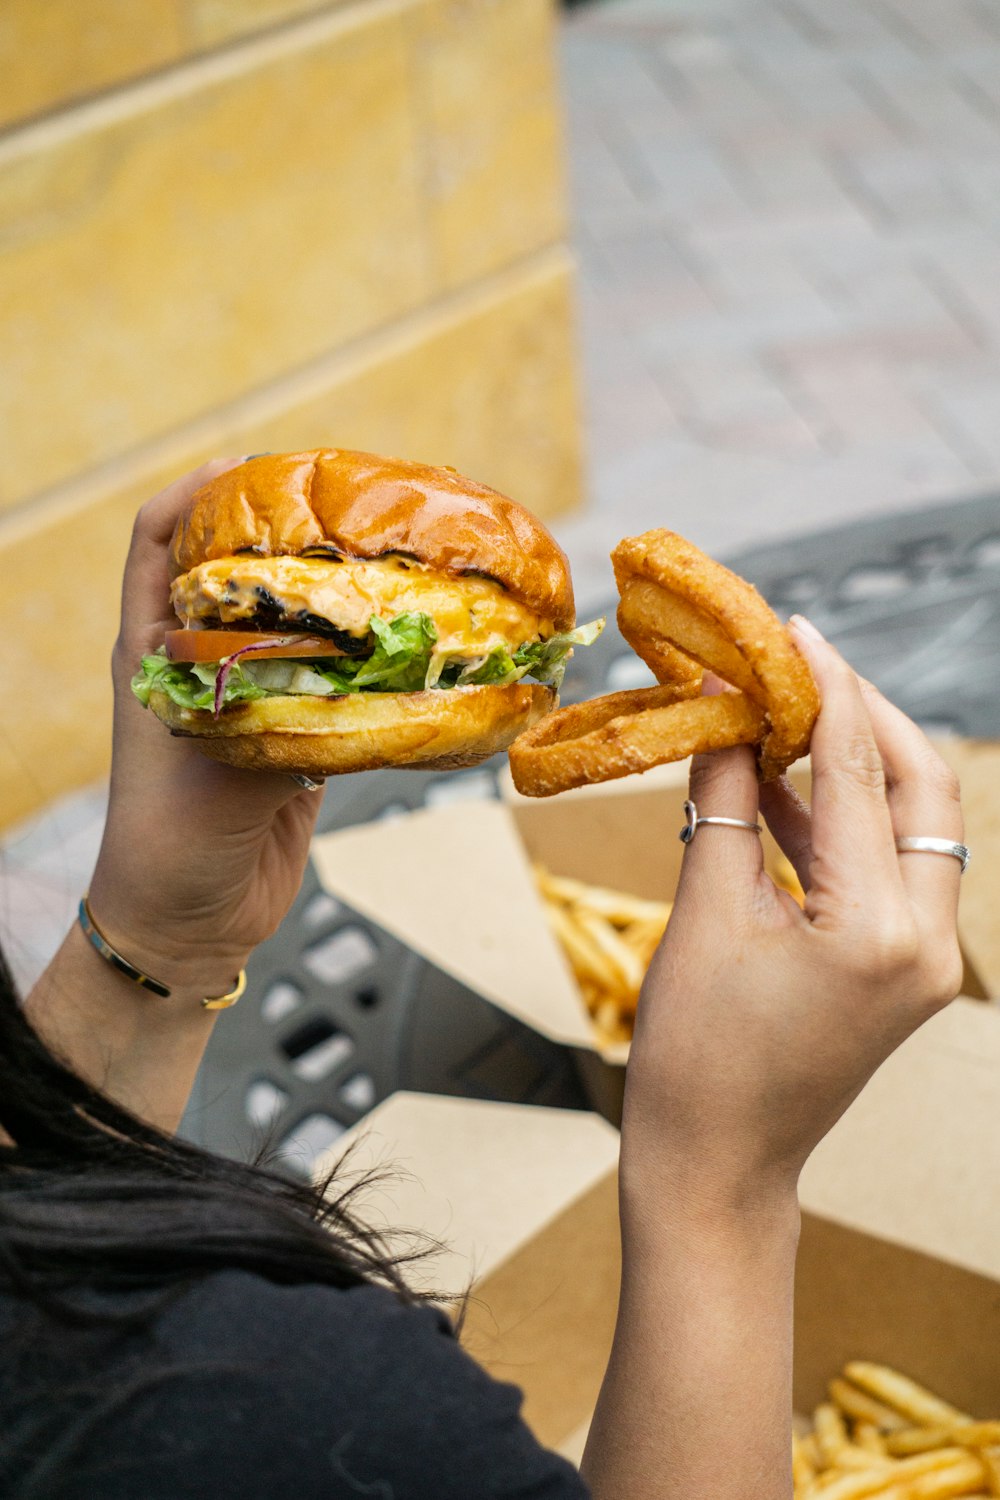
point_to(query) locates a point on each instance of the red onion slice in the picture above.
(225, 667)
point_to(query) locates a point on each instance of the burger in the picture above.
(338, 611)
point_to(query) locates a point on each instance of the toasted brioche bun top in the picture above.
(363, 506)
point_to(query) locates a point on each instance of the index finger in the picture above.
(854, 858)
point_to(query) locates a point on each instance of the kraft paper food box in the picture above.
(900, 1252)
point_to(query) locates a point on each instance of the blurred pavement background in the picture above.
(787, 220)
(787, 217)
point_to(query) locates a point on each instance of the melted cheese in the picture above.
(471, 614)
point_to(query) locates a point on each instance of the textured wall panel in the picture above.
(55, 51)
(201, 236)
(177, 245)
(208, 23)
(484, 75)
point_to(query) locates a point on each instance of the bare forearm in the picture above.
(697, 1397)
(140, 1049)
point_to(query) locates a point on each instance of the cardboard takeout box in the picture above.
(900, 1250)
(900, 1254)
(455, 884)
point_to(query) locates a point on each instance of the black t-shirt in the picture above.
(238, 1387)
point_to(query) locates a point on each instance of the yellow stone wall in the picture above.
(271, 225)
(58, 51)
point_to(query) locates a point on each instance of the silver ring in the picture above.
(306, 782)
(935, 846)
(693, 823)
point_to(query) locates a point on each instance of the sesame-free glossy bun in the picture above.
(364, 506)
(439, 729)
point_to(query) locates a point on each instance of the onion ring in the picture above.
(682, 613)
(627, 732)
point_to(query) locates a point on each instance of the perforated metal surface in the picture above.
(913, 603)
(338, 1014)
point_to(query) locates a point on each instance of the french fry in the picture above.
(609, 938)
(875, 1437)
(904, 1395)
(861, 1407)
(977, 1434)
(991, 1464)
(586, 958)
(911, 1478)
(810, 1448)
(860, 1460)
(831, 1432)
(944, 1484)
(920, 1439)
(910, 1440)
(629, 971)
(803, 1468)
(922, 1464)
(617, 906)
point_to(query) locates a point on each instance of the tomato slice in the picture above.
(213, 645)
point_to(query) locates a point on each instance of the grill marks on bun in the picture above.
(363, 506)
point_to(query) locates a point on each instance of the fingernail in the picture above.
(806, 627)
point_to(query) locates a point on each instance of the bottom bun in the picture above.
(440, 729)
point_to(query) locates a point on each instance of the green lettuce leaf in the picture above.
(498, 669)
(402, 656)
(190, 685)
(404, 660)
(546, 660)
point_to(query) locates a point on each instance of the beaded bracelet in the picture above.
(118, 961)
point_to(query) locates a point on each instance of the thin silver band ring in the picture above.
(694, 822)
(306, 782)
(920, 845)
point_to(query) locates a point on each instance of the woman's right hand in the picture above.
(759, 1023)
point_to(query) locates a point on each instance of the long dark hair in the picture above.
(94, 1199)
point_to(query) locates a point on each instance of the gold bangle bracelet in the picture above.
(100, 944)
(223, 1002)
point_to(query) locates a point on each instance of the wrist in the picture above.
(182, 962)
(139, 1049)
(697, 1199)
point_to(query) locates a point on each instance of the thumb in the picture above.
(723, 864)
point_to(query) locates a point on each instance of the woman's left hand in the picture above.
(199, 862)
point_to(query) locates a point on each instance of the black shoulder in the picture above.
(340, 1393)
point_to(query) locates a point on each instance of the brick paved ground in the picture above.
(787, 214)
